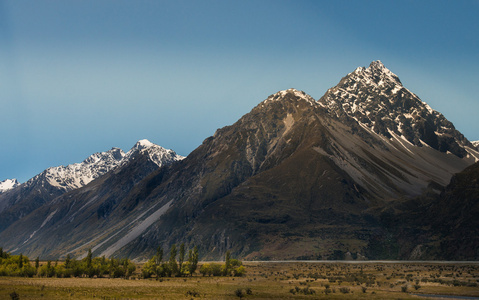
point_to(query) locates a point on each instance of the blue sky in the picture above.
(78, 77)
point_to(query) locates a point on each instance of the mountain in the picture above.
(293, 178)
(476, 144)
(55, 181)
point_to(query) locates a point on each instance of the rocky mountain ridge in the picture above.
(77, 175)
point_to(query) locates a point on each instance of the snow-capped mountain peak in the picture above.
(8, 184)
(376, 98)
(299, 95)
(143, 144)
(157, 154)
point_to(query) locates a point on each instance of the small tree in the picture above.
(88, 259)
(193, 260)
(181, 258)
(20, 261)
(149, 268)
(159, 255)
(67, 261)
(227, 262)
(172, 261)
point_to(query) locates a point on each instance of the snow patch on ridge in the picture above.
(299, 94)
(157, 154)
(8, 184)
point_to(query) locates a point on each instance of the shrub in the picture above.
(193, 293)
(239, 271)
(216, 269)
(239, 293)
(14, 296)
(205, 269)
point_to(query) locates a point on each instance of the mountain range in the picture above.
(368, 171)
(18, 200)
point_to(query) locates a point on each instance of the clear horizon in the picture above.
(79, 77)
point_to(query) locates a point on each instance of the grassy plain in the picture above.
(268, 280)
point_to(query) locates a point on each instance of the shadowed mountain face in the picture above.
(294, 178)
(453, 218)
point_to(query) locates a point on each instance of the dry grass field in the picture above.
(268, 280)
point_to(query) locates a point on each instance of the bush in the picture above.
(216, 269)
(240, 271)
(46, 270)
(193, 293)
(306, 291)
(14, 296)
(239, 293)
(344, 290)
(149, 268)
(205, 269)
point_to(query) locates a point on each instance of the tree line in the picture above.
(19, 265)
(177, 265)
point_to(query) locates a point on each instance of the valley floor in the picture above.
(269, 280)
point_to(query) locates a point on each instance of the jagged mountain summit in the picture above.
(8, 184)
(55, 181)
(376, 99)
(157, 154)
(77, 175)
(476, 144)
(293, 178)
